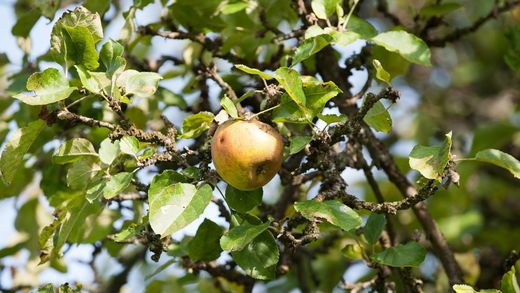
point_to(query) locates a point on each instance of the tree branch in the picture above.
(458, 33)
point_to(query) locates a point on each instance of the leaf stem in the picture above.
(465, 159)
(349, 14)
(264, 111)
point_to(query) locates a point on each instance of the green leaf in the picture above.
(76, 222)
(381, 73)
(152, 288)
(128, 29)
(97, 6)
(171, 98)
(45, 239)
(290, 80)
(310, 47)
(318, 94)
(141, 84)
(95, 82)
(25, 23)
(111, 56)
(500, 159)
(240, 236)
(174, 206)
(95, 189)
(379, 118)
(16, 147)
(407, 45)
(344, 38)
(462, 288)
(430, 161)
(253, 71)
(230, 8)
(259, 258)
(205, 245)
(298, 143)
(131, 231)
(229, 106)
(129, 145)
(142, 3)
(49, 86)
(48, 8)
(373, 227)
(439, 9)
(47, 288)
(410, 254)
(80, 46)
(167, 177)
(361, 27)
(324, 8)
(353, 251)
(74, 228)
(509, 284)
(196, 124)
(81, 173)
(79, 17)
(288, 111)
(73, 150)
(332, 211)
(117, 184)
(333, 118)
(108, 151)
(243, 201)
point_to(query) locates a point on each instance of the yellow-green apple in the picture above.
(246, 153)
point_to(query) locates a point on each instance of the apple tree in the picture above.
(140, 143)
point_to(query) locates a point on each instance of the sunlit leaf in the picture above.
(229, 106)
(259, 258)
(430, 161)
(196, 124)
(332, 211)
(298, 143)
(310, 47)
(381, 73)
(16, 147)
(73, 150)
(129, 145)
(290, 80)
(500, 159)
(253, 71)
(324, 8)
(141, 84)
(238, 237)
(117, 184)
(49, 86)
(379, 118)
(407, 45)
(173, 206)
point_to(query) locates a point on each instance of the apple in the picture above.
(247, 153)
